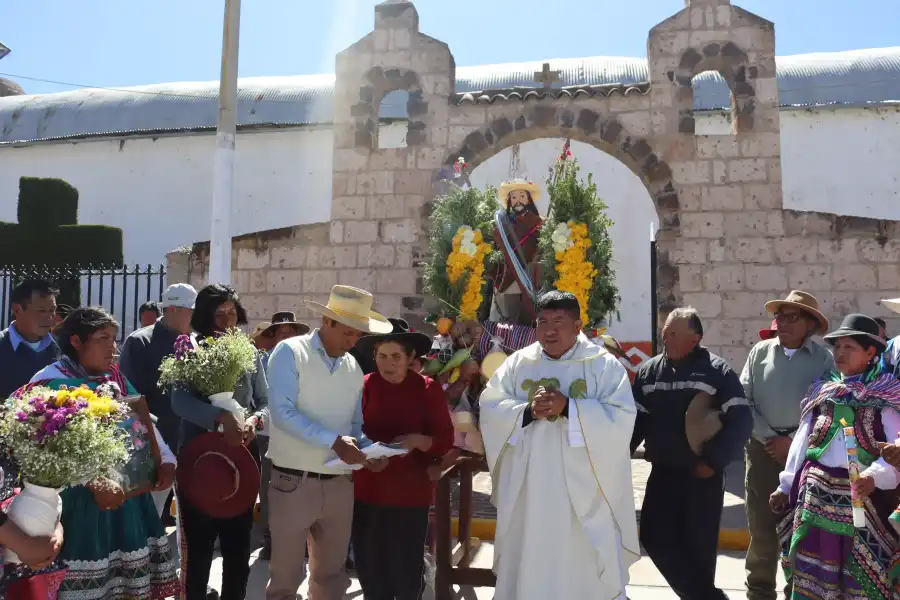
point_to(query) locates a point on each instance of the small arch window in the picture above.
(713, 102)
(393, 120)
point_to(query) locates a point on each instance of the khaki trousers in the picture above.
(763, 555)
(319, 511)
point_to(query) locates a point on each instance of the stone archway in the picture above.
(605, 133)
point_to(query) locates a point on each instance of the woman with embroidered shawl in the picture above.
(115, 545)
(823, 554)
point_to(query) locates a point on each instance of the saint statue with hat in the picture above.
(517, 228)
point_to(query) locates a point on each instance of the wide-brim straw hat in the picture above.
(287, 318)
(858, 325)
(892, 304)
(401, 332)
(802, 301)
(612, 346)
(352, 307)
(701, 422)
(517, 185)
(260, 329)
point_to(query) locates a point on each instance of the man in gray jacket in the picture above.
(143, 352)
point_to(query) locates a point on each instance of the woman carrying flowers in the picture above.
(217, 311)
(115, 544)
(837, 541)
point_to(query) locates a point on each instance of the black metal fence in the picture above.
(119, 290)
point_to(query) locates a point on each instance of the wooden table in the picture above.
(453, 566)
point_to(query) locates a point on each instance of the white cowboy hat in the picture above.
(352, 307)
(891, 304)
(517, 185)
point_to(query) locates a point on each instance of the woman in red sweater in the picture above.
(390, 518)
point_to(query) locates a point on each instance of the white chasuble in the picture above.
(566, 525)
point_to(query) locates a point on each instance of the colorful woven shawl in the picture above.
(874, 389)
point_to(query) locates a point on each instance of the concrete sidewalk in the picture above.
(733, 534)
(646, 582)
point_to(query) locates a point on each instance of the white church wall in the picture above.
(630, 208)
(159, 190)
(838, 160)
(842, 161)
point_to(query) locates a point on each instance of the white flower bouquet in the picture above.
(210, 367)
(64, 437)
(60, 438)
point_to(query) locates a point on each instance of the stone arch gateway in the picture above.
(725, 246)
(644, 125)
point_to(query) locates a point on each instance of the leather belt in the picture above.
(305, 474)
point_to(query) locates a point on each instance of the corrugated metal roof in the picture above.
(859, 77)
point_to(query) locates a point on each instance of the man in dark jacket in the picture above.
(685, 492)
(143, 352)
(28, 346)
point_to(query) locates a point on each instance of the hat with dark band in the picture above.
(858, 325)
(287, 318)
(402, 333)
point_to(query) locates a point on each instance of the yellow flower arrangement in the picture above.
(98, 406)
(468, 255)
(576, 274)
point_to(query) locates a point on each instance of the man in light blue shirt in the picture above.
(284, 385)
(315, 406)
(27, 346)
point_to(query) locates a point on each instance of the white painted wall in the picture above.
(842, 161)
(630, 207)
(160, 191)
(845, 162)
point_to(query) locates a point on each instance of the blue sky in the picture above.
(114, 43)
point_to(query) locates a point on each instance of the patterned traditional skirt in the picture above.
(823, 555)
(115, 555)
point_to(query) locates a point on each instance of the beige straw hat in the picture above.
(352, 307)
(802, 301)
(701, 422)
(517, 185)
(260, 329)
(891, 304)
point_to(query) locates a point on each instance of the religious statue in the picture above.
(517, 225)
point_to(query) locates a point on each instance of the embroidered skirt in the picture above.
(114, 555)
(823, 555)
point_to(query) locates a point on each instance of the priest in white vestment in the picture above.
(557, 419)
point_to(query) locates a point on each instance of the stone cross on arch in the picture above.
(546, 76)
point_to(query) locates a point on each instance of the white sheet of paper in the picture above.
(376, 450)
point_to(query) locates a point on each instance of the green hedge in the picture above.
(47, 202)
(66, 245)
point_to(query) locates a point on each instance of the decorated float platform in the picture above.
(491, 256)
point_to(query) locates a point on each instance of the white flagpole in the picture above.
(223, 184)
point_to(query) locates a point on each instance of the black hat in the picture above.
(421, 343)
(287, 318)
(857, 325)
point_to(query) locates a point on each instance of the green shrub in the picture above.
(47, 202)
(67, 245)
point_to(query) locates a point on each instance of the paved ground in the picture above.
(646, 582)
(733, 515)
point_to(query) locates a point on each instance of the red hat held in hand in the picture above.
(221, 481)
